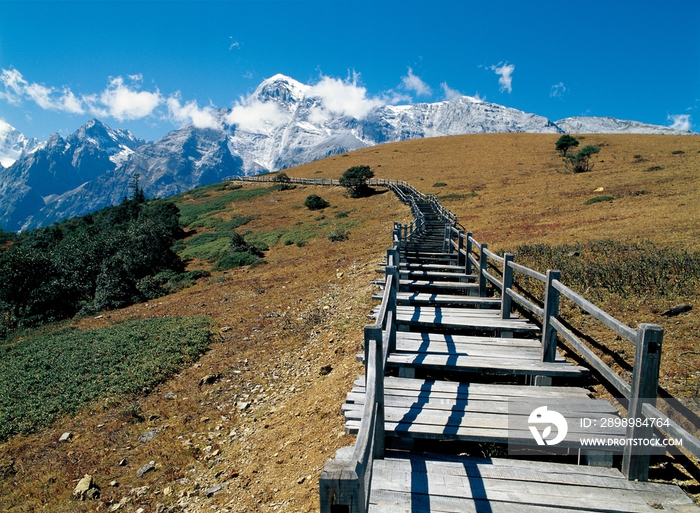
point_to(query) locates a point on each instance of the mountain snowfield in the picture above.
(282, 124)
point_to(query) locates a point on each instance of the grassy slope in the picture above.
(282, 322)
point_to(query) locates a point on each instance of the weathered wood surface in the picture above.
(486, 365)
(472, 411)
(435, 267)
(461, 318)
(412, 483)
(428, 299)
(413, 285)
(435, 275)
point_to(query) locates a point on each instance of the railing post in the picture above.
(379, 430)
(506, 300)
(468, 263)
(483, 266)
(645, 382)
(446, 246)
(549, 334)
(551, 309)
(392, 271)
(460, 247)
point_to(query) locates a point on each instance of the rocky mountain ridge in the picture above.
(284, 123)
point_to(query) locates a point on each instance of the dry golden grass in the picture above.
(283, 323)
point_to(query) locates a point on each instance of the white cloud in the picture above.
(680, 121)
(14, 86)
(118, 100)
(393, 98)
(505, 72)
(191, 113)
(414, 83)
(122, 102)
(344, 97)
(449, 92)
(256, 116)
(49, 98)
(558, 90)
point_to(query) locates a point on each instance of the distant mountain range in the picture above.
(282, 124)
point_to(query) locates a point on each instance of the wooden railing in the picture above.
(404, 190)
(345, 482)
(641, 394)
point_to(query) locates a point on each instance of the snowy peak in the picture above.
(13, 144)
(96, 133)
(281, 89)
(608, 125)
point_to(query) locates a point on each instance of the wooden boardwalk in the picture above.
(446, 363)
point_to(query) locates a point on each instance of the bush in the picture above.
(355, 179)
(281, 177)
(581, 162)
(565, 143)
(46, 374)
(598, 199)
(338, 236)
(439, 184)
(314, 202)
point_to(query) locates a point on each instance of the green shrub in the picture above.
(236, 259)
(598, 199)
(581, 161)
(47, 374)
(439, 184)
(315, 202)
(565, 143)
(355, 180)
(619, 268)
(338, 235)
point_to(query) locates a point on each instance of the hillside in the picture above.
(283, 358)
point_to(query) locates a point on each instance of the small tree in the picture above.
(281, 177)
(314, 202)
(564, 143)
(581, 162)
(355, 179)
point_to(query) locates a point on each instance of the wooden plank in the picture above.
(602, 316)
(498, 477)
(410, 385)
(428, 299)
(528, 272)
(446, 285)
(435, 275)
(479, 494)
(511, 366)
(498, 349)
(481, 322)
(592, 359)
(505, 344)
(472, 404)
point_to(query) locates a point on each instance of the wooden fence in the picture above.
(640, 395)
(345, 480)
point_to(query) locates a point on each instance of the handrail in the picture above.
(346, 480)
(647, 338)
(602, 316)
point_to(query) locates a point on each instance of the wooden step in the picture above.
(427, 317)
(422, 483)
(426, 299)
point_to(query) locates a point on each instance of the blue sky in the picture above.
(151, 66)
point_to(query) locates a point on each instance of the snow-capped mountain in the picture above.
(282, 124)
(295, 124)
(13, 144)
(608, 125)
(57, 166)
